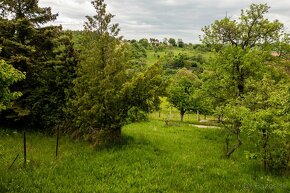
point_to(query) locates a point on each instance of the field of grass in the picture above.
(171, 114)
(151, 158)
(153, 57)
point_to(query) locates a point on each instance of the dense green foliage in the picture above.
(172, 42)
(45, 54)
(244, 58)
(107, 89)
(8, 76)
(182, 92)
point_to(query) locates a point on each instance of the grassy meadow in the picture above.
(151, 158)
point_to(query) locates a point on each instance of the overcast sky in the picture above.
(162, 18)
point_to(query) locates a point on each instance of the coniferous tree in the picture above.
(45, 54)
(105, 88)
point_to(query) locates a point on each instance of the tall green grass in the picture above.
(153, 56)
(151, 158)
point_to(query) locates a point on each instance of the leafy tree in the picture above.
(179, 61)
(143, 91)
(138, 55)
(44, 53)
(145, 43)
(181, 92)
(244, 47)
(8, 76)
(154, 42)
(133, 41)
(197, 60)
(106, 90)
(172, 42)
(167, 61)
(268, 122)
(201, 47)
(252, 29)
(180, 43)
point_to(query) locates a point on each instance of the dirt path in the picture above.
(205, 126)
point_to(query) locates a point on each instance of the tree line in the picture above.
(95, 85)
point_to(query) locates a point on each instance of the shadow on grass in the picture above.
(125, 141)
(133, 144)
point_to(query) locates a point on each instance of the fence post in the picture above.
(24, 147)
(57, 143)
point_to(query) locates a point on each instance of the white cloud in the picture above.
(162, 18)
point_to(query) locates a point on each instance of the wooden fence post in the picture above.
(57, 143)
(24, 147)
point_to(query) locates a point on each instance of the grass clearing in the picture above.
(152, 158)
(153, 56)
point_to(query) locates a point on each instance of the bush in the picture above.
(278, 159)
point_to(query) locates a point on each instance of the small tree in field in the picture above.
(106, 90)
(181, 92)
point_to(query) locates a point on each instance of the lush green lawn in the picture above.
(152, 158)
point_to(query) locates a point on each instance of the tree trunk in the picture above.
(265, 144)
(197, 114)
(237, 126)
(241, 84)
(240, 79)
(204, 117)
(106, 137)
(57, 143)
(24, 147)
(219, 118)
(182, 112)
(181, 116)
(227, 143)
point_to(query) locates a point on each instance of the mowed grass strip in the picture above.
(151, 158)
